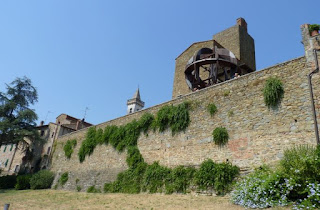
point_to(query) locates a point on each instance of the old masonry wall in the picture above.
(257, 135)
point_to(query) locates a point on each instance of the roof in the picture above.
(137, 95)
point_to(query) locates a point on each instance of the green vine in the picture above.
(220, 136)
(273, 92)
(212, 108)
(121, 137)
(68, 147)
(64, 178)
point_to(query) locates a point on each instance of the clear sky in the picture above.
(95, 53)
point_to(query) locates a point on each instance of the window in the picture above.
(130, 110)
(5, 165)
(5, 148)
(16, 169)
(52, 134)
(48, 151)
(42, 133)
(11, 147)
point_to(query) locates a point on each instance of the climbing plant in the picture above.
(220, 136)
(68, 147)
(121, 137)
(273, 92)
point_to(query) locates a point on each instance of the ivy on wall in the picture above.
(121, 137)
(68, 147)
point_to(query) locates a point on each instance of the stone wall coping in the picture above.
(187, 95)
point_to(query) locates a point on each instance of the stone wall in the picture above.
(257, 135)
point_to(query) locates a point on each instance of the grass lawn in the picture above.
(58, 199)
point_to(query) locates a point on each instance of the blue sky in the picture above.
(95, 53)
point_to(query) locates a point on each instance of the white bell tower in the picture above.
(135, 104)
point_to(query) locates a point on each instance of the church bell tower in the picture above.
(135, 104)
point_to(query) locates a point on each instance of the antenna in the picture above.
(85, 112)
(47, 115)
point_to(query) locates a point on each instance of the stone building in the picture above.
(20, 157)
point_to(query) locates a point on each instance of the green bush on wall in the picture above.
(64, 178)
(212, 108)
(273, 92)
(68, 147)
(220, 136)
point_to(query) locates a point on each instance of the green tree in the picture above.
(17, 119)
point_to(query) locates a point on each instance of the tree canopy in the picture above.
(17, 119)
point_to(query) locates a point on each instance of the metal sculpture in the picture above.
(220, 64)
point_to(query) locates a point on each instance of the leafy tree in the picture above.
(17, 119)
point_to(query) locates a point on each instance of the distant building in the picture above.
(135, 104)
(15, 158)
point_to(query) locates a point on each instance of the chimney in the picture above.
(242, 22)
(41, 123)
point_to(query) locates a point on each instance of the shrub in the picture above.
(314, 27)
(68, 147)
(41, 180)
(303, 163)
(64, 178)
(273, 92)
(92, 189)
(220, 136)
(78, 188)
(23, 182)
(204, 177)
(154, 178)
(262, 189)
(224, 174)
(212, 108)
(7, 182)
(179, 179)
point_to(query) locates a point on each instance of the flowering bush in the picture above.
(262, 189)
(295, 181)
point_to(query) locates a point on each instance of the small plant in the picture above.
(77, 181)
(226, 93)
(78, 188)
(273, 92)
(92, 189)
(64, 178)
(230, 113)
(212, 108)
(314, 27)
(68, 147)
(23, 182)
(41, 180)
(220, 136)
